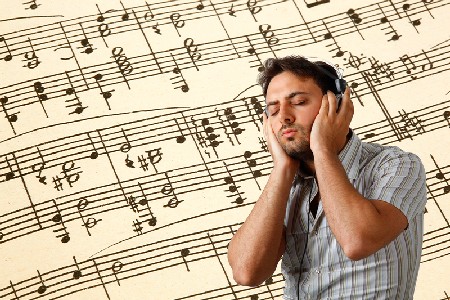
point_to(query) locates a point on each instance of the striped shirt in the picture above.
(377, 172)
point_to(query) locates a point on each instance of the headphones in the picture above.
(339, 82)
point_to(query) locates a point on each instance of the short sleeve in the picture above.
(400, 180)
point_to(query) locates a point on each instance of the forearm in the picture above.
(253, 252)
(361, 226)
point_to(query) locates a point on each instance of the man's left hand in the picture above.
(330, 128)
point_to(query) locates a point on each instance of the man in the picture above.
(346, 216)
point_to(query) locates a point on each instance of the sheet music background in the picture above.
(131, 145)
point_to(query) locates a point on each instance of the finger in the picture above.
(332, 102)
(325, 105)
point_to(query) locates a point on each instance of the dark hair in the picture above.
(322, 73)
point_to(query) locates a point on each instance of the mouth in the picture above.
(288, 133)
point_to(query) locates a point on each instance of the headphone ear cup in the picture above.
(341, 85)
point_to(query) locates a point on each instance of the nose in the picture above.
(285, 113)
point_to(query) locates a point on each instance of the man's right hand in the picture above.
(280, 158)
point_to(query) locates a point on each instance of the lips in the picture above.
(288, 132)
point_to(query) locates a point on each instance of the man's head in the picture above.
(294, 87)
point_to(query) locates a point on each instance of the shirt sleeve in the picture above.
(400, 180)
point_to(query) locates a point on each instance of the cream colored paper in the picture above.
(131, 145)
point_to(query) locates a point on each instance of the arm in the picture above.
(361, 226)
(256, 248)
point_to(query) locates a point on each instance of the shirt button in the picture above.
(317, 271)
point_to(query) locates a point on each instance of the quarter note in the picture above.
(94, 153)
(200, 6)
(251, 163)
(42, 288)
(181, 138)
(75, 101)
(184, 253)
(415, 22)
(33, 4)
(77, 273)
(103, 28)
(57, 219)
(9, 175)
(178, 78)
(447, 117)
(8, 56)
(252, 51)
(11, 117)
(125, 16)
(39, 89)
(85, 44)
(105, 94)
(356, 19)
(391, 31)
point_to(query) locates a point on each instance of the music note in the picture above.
(75, 101)
(89, 222)
(429, 65)
(148, 215)
(11, 117)
(252, 51)
(10, 175)
(251, 163)
(147, 16)
(116, 268)
(9, 56)
(94, 153)
(122, 62)
(103, 28)
(253, 8)
(390, 29)
(192, 51)
(31, 58)
(178, 78)
(85, 44)
(167, 190)
(447, 117)
(126, 146)
(233, 187)
(200, 6)
(42, 288)
(181, 138)
(39, 89)
(441, 176)
(39, 167)
(355, 20)
(33, 4)
(125, 16)
(269, 36)
(184, 253)
(77, 273)
(57, 219)
(409, 65)
(176, 22)
(105, 94)
(334, 45)
(415, 22)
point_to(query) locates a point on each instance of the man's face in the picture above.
(293, 104)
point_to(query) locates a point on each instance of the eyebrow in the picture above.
(290, 96)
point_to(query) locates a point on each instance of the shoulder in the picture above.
(381, 158)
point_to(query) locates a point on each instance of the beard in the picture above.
(296, 147)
